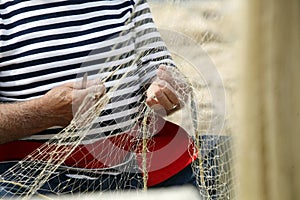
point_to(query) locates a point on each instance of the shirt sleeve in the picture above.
(150, 48)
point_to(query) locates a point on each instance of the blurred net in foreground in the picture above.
(202, 50)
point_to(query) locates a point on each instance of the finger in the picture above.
(85, 99)
(163, 100)
(78, 84)
(74, 84)
(96, 89)
(160, 110)
(169, 92)
(84, 81)
(167, 68)
(151, 101)
(164, 75)
(165, 88)
(175, 79)
(151, 98)
(84, 106)
(151, 89)
(82, 84)
(94, 82)
(88, 103)
(167, 76)
(163, 67)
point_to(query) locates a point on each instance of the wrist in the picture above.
(55, 109)
(46, 112)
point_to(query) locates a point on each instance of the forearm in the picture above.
(18, 120)
(55, 108)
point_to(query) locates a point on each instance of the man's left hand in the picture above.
(162, 94)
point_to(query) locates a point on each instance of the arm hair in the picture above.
(18, 120)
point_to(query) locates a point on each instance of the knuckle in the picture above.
(158, 93)
(149, 102)
(165, 89)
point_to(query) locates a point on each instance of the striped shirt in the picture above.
(44, 44)
(47, 43)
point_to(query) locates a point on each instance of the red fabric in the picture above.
(169, 151)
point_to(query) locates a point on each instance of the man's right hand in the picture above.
(56, 108)
(63, 102)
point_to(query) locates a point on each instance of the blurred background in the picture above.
(254, 45)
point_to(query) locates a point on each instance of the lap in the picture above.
(72, 181)
(184, 177)
(66, 182)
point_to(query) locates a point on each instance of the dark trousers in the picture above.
(62, 183)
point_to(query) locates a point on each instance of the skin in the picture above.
(58, 106)
(165, 89)
(55, 108)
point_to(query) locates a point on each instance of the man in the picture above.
(44, 46)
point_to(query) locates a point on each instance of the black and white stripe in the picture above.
(47, 43)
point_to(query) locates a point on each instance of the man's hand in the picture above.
(56, 108)
(63, 102)
(168, 91)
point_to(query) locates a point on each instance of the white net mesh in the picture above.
(121, 149)
(201, 48)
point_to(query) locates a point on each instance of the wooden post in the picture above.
(269, 112)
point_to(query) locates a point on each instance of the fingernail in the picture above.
(84, 81)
